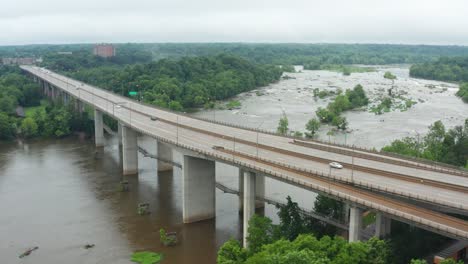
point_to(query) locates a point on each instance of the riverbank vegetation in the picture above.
(41, 118)
(183, 83)
(445, 69)
(439, 144)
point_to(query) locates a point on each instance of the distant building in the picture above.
(18, 61)
(104, 50)
(64, 52)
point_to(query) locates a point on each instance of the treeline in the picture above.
(46, 119)
(444, 69)
(279, 54)
(84, 59)
(183, 83)
(439, 144)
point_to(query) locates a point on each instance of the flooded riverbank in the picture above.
(263, 108)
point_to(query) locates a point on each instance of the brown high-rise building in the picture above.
(104, 50)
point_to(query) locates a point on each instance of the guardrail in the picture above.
(434, 165)
(428, 224)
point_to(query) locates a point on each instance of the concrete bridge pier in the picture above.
(249, 203)
(382, 225)
(164, 153)
(98, 128)
(119, 132)
(355, 224)
(198, 189)
(129, 151)
(259, 189)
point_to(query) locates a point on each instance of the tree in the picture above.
(7, 130)
(29, 127)
(283, 125)
(291, 220)
(260, 232)
(312, 126)
(231, 252)
(340, 122)
(328, 207)
(390, 76)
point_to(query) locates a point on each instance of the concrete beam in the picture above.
(249, 202)
(98, 128)
(164, 153)
(198, 189)
(382, 225)
(119, 132)
(355, 223)
(241, 189)
(259, 190)
(129, 151)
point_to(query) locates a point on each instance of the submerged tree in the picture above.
(283, 125)
(390, 76)
(312, 126)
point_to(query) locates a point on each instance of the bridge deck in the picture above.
(302, 164)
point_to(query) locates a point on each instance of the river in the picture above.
(62, 194)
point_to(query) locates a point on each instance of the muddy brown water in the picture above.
(60, 195)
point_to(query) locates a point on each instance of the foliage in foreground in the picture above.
(307, 249)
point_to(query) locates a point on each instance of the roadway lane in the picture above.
(191, 136)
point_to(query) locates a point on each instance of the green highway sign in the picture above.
(132, 93)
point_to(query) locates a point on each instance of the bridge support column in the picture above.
(98, 128)
(119, 132)
(355, 223)
(198, 189)
(259, 190)
(241, 189)
(382, 225)
(249, 202)
(164, 153)
(129, 151)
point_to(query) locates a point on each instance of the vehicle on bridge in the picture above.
(336, 165)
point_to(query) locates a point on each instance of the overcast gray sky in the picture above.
(347, 21)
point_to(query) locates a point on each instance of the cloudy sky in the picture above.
(346, 21)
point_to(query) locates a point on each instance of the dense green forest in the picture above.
(445, 69)
(182, 83)
(85, 60)
(298, 54)
(47, 119)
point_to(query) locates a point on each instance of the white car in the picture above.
(336, 165)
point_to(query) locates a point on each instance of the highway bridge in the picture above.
(409, 190)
